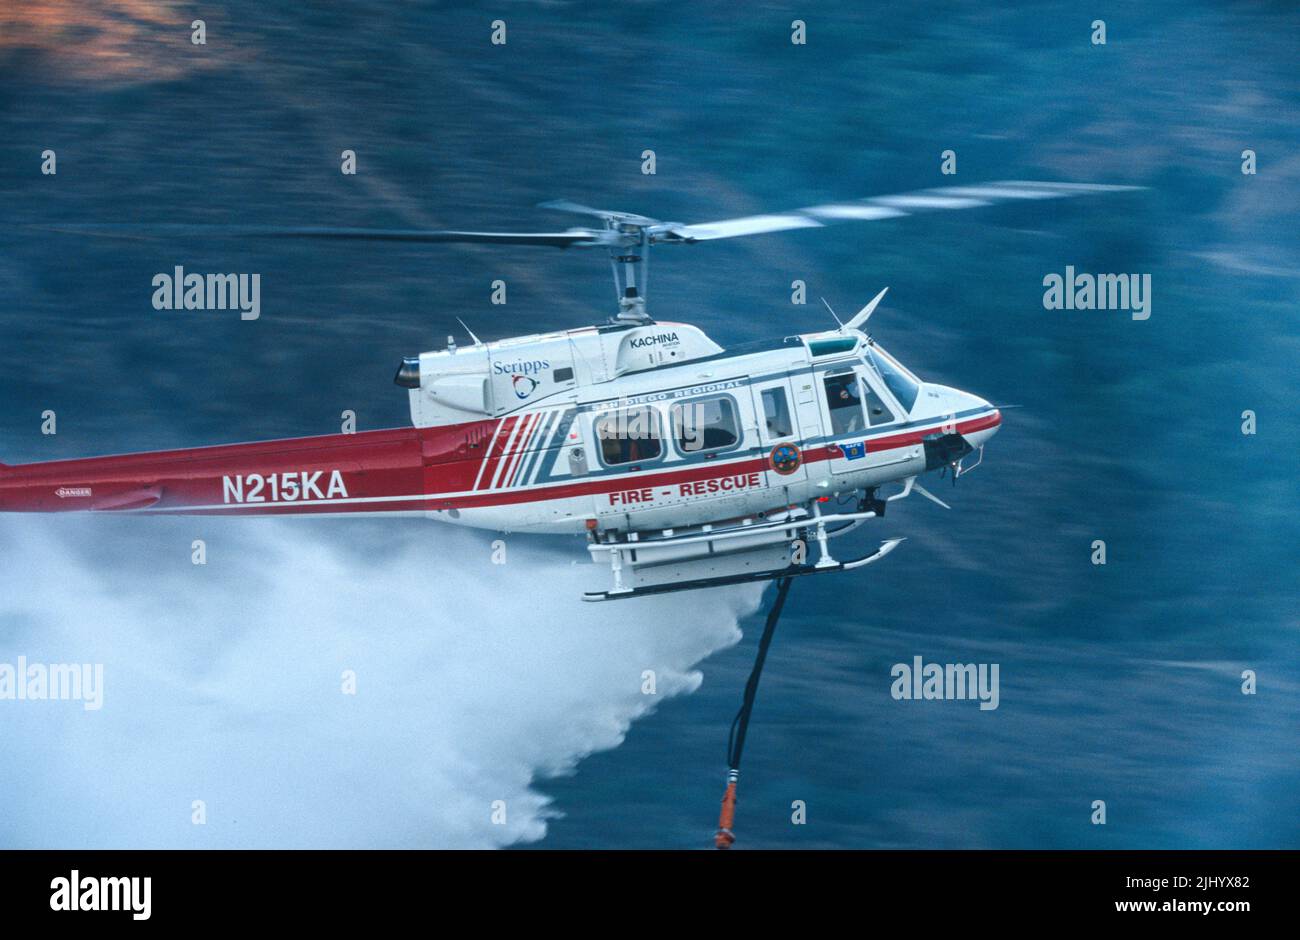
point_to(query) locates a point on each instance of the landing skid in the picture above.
(792, 571)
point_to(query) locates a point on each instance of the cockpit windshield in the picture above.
(904, 385)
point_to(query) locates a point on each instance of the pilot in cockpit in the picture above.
(845, 404)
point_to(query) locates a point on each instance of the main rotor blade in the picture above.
(581, 238)
(630, 228)
(876, 208)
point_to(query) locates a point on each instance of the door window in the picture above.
(776, 413)
(844, 401)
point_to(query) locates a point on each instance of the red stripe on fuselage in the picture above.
(688, 475)
(908, 438)
(427, 468)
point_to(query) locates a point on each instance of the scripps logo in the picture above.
(526, 367)
(66, 492)
(657, 339)
(523, 386)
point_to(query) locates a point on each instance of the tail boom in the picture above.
(371, 471)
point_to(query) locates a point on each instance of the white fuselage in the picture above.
(722, 437)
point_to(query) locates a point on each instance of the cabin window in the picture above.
(776, 413)
(706, 424)
(844, 401)
(629, 436)
(563, 375)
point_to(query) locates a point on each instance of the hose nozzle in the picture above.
(727, 817)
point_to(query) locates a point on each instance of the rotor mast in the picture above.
(628, 238)
(631, 268)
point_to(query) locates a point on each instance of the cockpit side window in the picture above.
(877, 411)
(901, 383)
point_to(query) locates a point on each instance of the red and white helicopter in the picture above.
(687, 465)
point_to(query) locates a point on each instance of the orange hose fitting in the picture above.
(727, 817)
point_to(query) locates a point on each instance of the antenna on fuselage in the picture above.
(477, 341)
(832, 310)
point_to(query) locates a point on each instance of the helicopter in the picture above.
(685, 464)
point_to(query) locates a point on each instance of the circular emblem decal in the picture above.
(524, 386)
(786, 458)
